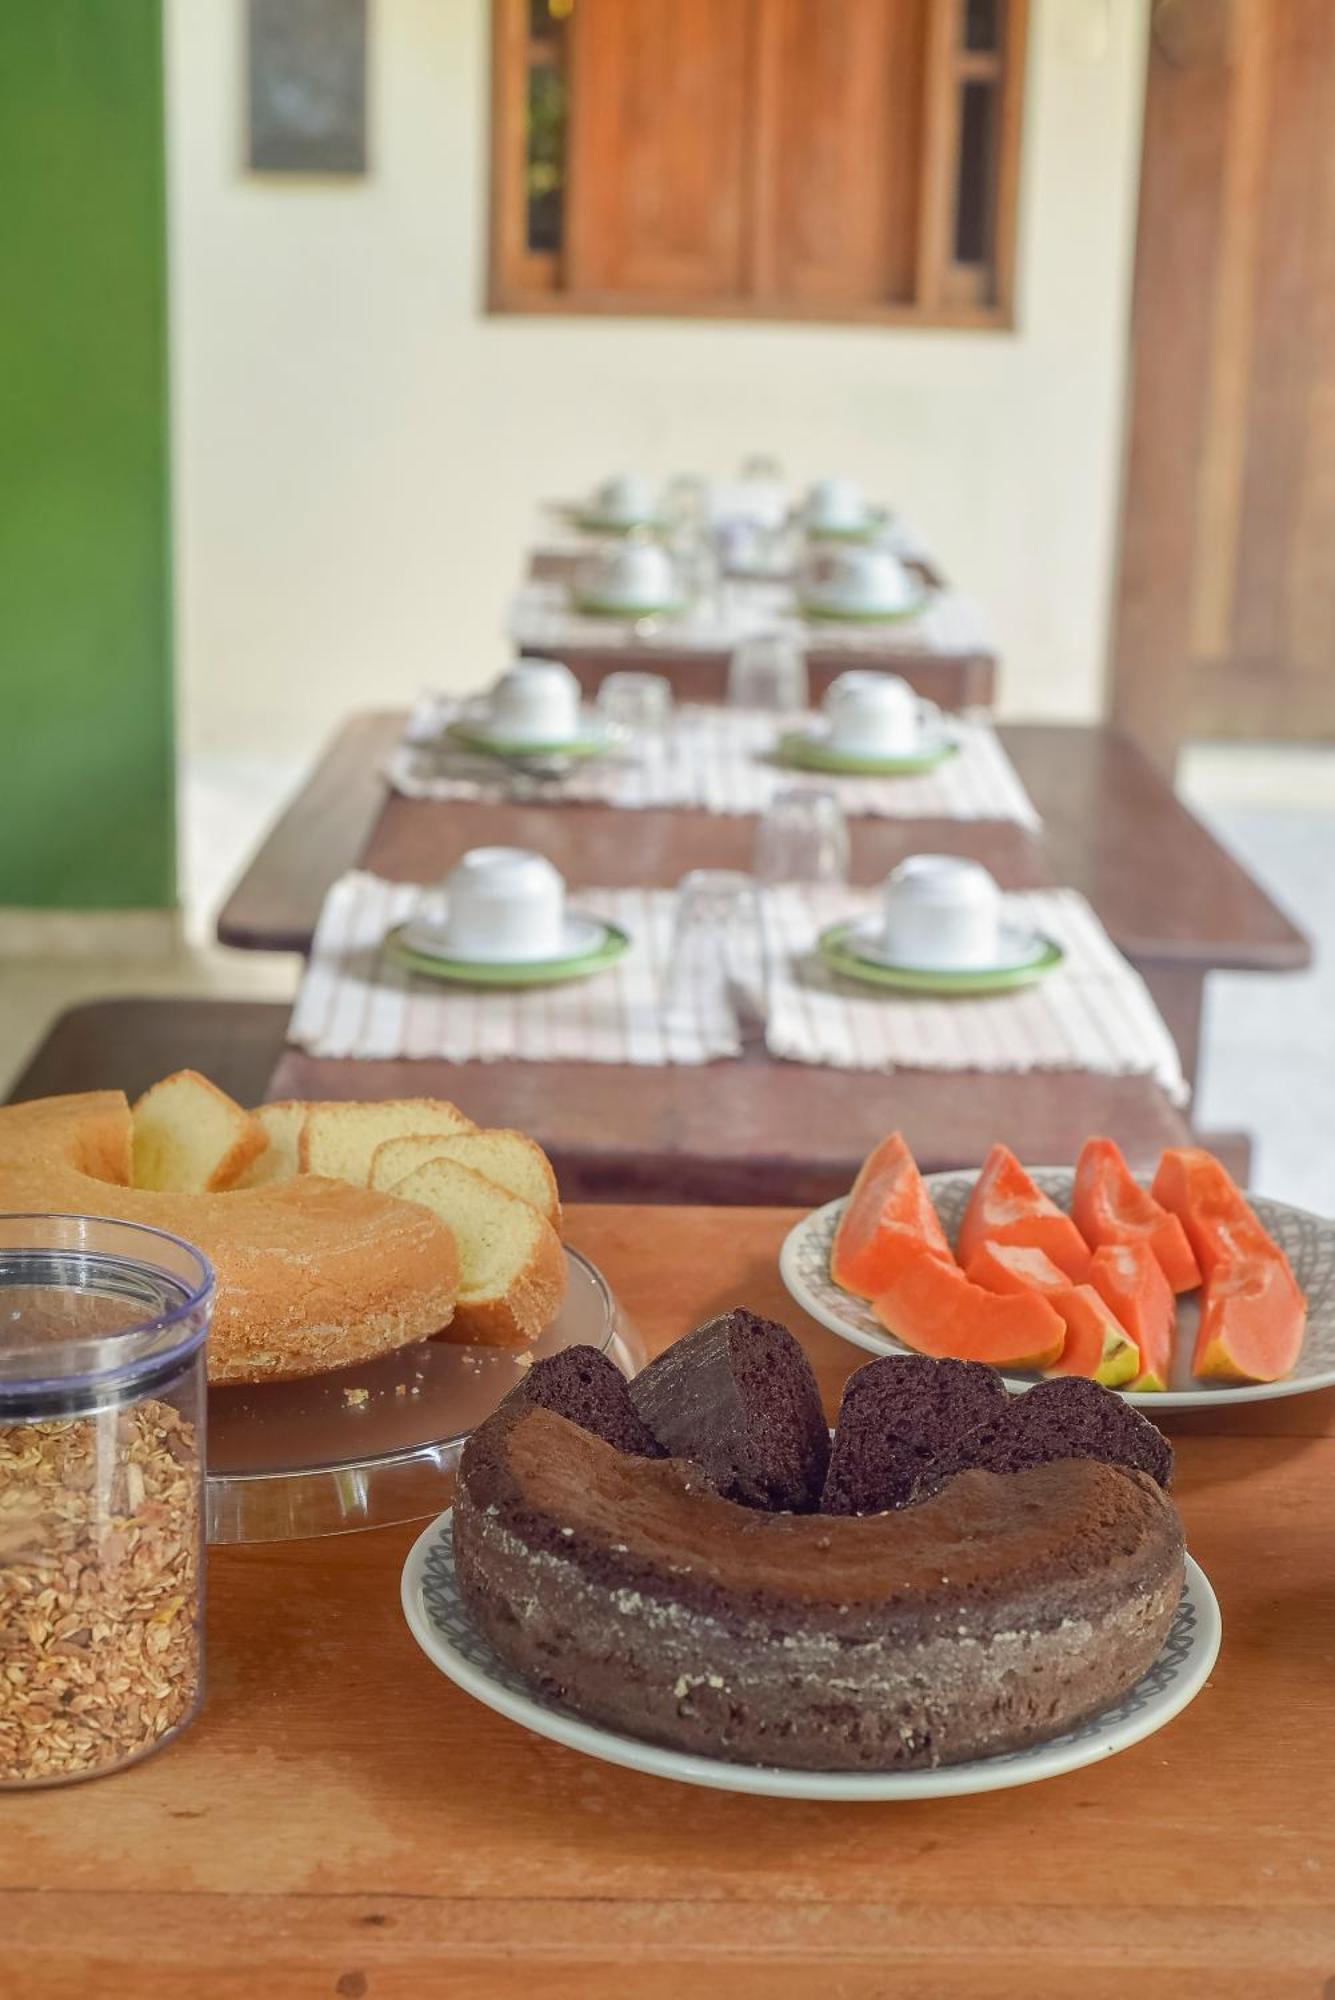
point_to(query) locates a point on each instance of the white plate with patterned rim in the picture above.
(1306, 1240)
(442, 1628)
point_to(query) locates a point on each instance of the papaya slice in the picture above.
(1253, 1317)
(1253, 1313)
(932, 1307)
(1096, 1344)
(1219, 1224)
(888, 1214)
(1130, 1278)
(1007, 1207)
(1108, 1206)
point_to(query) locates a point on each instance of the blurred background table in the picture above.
(1170, 896)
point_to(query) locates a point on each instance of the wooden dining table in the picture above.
(343, 1822)
(1172, 898)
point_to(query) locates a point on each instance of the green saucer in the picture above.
(808, 753)
(830, 614)
(600, 607)
(867, 531)
(615, 524)
(577, 748)
(532, 972)
(850, 964)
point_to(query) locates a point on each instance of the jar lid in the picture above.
(94, 1312)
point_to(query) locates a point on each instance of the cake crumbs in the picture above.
(356, 1399)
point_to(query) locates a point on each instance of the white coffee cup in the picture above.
(626, 496)
(636, 574)
(860, 577)
(537, 701)
(942, 912)
(836, 504)
(504, 904)
(876, 714)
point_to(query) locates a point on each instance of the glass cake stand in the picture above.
(367, 1446)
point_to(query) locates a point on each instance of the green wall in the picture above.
(86, 792)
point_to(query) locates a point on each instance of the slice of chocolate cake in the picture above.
(583, 1385)
(738, 1397)
(1067, 1416)
(897, 1416)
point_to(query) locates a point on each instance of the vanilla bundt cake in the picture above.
(312, 1274)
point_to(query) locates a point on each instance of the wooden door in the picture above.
(839, 116)
(658, 147)
(1225, 620)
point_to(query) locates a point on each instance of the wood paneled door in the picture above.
(1225, 621)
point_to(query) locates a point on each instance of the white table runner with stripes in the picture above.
(543, 618)
(1093, 1014)
(717, 760)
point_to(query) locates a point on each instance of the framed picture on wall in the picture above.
(306, 86)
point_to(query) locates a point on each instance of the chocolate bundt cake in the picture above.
(1001, 1611)
(1065, 1417)
(897, 1416)
(738, 1397)
(584, 1385)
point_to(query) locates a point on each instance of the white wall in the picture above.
(358, 446)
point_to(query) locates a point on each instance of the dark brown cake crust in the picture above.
(738, 1397)
(898, 1415)
(1000, 1612)
(584, 1385)
(1064, 1417)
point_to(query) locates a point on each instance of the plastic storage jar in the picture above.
(102, 1328)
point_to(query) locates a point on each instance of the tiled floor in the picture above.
(1269, 1063)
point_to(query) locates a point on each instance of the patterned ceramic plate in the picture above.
(1307, 1242)
(441, 1627)
(873, 523)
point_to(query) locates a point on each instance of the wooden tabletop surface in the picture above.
(343, 1822)
(1168, 893)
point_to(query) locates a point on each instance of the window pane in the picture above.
(973, 212)
(981, 24)
(544, 167)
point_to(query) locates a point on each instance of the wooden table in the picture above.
(342, 1821)
(1170, 896)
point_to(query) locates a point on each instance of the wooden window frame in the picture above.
(946, 293)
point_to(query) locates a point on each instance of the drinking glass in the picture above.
(803, 837)
(699, 567)
(639, 704)
(687, 500)
(768, 671)
(716, 965)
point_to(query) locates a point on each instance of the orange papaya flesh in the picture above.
(1109, 1206)
(1131, 1280)
(1006, 1206)
(1212, 1209)
(932, 1307)
(888, 1215)
(1253, 1317)
(1096, 1344)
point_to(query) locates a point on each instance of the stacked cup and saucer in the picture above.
(506, 923)
(872, 725)
(858, 583)
(534, 713)
(633, 578)
(621, 504)
(942, 930)
(837, 510)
